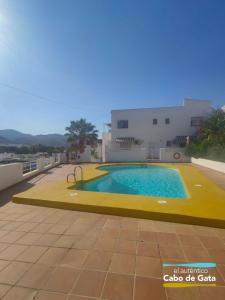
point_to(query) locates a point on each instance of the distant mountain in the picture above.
(11, 136)
(3, 140)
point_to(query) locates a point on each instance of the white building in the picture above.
(153, 133)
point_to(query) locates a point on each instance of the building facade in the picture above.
(149, 133)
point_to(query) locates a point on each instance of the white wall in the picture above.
(127, 155)
(140, 127)
(211, 164)
(140, 122)
(86, 156)
(11, 174)
(106, 143)
(167, 155)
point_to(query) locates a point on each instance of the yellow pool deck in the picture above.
(205, 205)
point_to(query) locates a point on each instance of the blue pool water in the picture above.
(138, 180)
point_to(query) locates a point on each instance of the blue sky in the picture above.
(86, 57)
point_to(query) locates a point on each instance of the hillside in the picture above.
(11, 136)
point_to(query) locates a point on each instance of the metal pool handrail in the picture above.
(74, 174)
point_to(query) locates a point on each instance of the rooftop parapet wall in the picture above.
(11, 174)
(211, 164)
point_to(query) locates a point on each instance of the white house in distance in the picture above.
(153, 133)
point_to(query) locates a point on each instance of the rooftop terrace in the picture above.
(48, 253)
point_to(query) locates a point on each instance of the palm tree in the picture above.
(80, 134)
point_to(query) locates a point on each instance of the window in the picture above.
(196, 121)
(167, 121)
(125, 146)
(122, 124)
(155, 122)
(168, 144)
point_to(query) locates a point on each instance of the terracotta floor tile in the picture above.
(52, 256)
(190, 240)
(171, 252)
(3, 232)
(167, 227)
(42, 295)
(220, 232)
(128, 224)
(122, 263)
(3, 223)
(147, 236)
(149, 288)
(167, 239)
(11, 225)
(221, 269)
(146, 225)
(90, 283)
(26, 227)
(13, 272)
(87, 242)
(74, 258)
(47, 239)
(12, 237)
(77, 229)
(42, 228)
(112, 223)
(75, 297)
(3, 246)
(62, 280)
(204, 231)
(112, 233)
(148, 267)
(196, 254)
(36, 277)
(4, 289)
(98, 260)
(126, 234)
(148, 249)
(20, 293)
(212, 242)
(209, 293)
(183, 293)
(125, 246)
(217, 256)
(31, 254)
(3, 264)
(12, 252)
(29, 238)
(184, 229)
(118, 287)
(105, 244)
(66, 241)
(58, 229)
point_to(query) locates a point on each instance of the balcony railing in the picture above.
(29, 166)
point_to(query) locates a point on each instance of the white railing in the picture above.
(29, 166)
(13, 173)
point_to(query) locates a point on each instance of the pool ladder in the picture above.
(74, 174)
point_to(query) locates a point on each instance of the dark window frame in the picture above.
(122, 124)
(155, 121)
(167, 121)
(196, 121)
(168, 143)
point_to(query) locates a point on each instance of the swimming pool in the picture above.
(138, 180)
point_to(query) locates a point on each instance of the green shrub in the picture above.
(210, 140)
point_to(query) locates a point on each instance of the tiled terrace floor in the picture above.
(52, 254)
